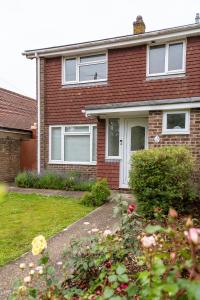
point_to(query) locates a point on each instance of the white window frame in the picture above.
(63, 134)
(185, 130)
(78, 64)
(167, 72)
(107, 156)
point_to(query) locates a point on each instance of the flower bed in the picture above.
(142, 260)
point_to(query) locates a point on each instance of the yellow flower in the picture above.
(38, 244)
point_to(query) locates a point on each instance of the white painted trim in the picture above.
(124, 163)
(79, 64)
(167, 72)
(38, 116)
(107, 111)
(186, 130)
(107, 157)
(63, 134)
(112, 43)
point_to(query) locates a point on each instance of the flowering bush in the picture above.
(152, 261)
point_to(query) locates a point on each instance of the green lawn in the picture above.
(22, 217)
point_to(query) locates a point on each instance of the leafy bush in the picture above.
(160, 178)
(49, 180)
(27, 179)
(161, 262)
(99, 194)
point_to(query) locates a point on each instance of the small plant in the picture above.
(99, 194)
(27, 179)
(160, 178)
(50, 181)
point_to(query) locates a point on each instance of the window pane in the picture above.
(113, 137)
(70, 69)
(157, 59)
(77, 148)
(176, 121)
(175, 57)
(137, 138)
(77, 129)
(92, 72)
(94, 144)
(56, 143)
(92, 58)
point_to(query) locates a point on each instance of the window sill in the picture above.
(175, 133)
(113, 158)
(72, 163)
(84, 84)
(165, 76)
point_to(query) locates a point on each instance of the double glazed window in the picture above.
(112, 138)
(176, 122)
(73, 144)
(85, 69)
(166, 59)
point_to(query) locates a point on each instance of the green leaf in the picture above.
(112, 278)
(150, 229)
(121, 269)
(108, 292)
(171, 288)
(144, 277)
(44, 260)
(131, 290)
(50, 270)
(123, 278)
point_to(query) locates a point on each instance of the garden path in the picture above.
(101, 218)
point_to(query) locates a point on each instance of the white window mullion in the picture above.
(166, 57)
(62, 143)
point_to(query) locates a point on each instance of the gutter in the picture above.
(15, 130)
(117, 42)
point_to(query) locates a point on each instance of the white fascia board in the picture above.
(97, 112)
(113, 43)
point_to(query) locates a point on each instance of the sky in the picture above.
(28, 24)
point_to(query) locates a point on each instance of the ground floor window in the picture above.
(176, 122)
(112, 138)
(73, 144)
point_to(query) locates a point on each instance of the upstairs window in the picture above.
(84, 69)
(166, 59)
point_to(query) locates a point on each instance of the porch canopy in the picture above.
(124, 108)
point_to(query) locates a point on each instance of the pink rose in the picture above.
(131, 208)
(148, 241)
(193, 235)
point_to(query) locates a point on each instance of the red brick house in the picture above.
(100, 101)
(17, 117)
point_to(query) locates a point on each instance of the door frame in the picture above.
(125, 125)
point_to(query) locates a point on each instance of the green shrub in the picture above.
(160, 178)
(26, 179)
(99, 194)
(50, 181)
(71, 181)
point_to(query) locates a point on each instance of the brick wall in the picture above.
(192, 139)
(106, 168)
(126, 82)
(10, 154)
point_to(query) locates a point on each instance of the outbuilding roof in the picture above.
(16, 111)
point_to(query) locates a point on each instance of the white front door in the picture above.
(135, 138)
